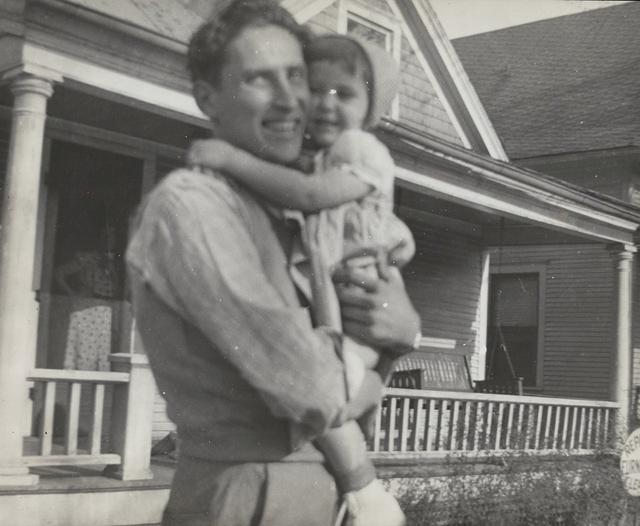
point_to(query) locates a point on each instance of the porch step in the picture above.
(71, 496)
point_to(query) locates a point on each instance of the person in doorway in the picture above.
(90, 280)
(350, 202)
(218, 303)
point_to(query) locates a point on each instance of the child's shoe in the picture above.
(373, 506)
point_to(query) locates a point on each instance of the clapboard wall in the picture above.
(5, 132)
(578, 315)
(443, 281)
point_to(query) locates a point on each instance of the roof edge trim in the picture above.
(506, 173)
(468, 104)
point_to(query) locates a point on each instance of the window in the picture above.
(370, 32)
(514, 342)
(372, 26)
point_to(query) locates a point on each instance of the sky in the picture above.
(468, 17)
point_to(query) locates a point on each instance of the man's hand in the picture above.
(377, 311)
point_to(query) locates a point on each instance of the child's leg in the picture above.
(345, 450)
(368, 503)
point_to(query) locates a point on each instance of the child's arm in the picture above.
(278, 184)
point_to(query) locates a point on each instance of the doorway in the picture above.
(84, 309)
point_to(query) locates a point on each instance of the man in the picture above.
(247, 379)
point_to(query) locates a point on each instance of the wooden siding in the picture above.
(443, 281)
(161, 424)
(579, 310)
(635, 333)
(326, 21)
(379, 5)
(420, 106)
(5, 132)
(635, 343)
(635, 395)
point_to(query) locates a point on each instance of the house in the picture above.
(562, 94)
(95, 107)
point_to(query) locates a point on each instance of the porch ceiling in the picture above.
(127, 117)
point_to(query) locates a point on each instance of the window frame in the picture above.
(377, 21)
(541, 271)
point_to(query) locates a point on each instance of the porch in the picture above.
(447, 420)
(417, 433)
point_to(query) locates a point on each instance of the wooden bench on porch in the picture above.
(437, 366)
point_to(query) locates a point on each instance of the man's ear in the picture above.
(206, 98)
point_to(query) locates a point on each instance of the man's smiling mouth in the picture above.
(282, 126)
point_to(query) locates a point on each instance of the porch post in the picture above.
(622, 364)
(18, 307)
(132, 417)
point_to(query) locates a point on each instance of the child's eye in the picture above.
(318, 90)
(345, 93)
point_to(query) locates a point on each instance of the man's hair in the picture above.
(207, 48)
(341, 51)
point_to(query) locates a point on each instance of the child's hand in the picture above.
(210, 153)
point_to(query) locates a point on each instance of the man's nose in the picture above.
(286, 96)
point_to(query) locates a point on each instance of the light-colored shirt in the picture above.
(231, 348)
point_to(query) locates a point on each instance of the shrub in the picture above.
(521, 490)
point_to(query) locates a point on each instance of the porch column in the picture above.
(18, 307)
(622, 365)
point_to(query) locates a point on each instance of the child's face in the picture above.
(339, 101)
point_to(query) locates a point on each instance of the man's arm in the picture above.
(378, 312)
(193, 248)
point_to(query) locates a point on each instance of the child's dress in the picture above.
(348, 229)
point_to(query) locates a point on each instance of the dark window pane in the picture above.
(366, 32)
(513, 327)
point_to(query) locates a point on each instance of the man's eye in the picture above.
(256, 79)
(297, 75)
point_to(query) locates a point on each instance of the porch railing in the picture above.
(436, 424)
(130, 422)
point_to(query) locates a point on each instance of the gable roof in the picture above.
(444, 103)
(567, 84)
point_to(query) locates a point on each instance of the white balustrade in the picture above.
(415, 423)
(129, 454)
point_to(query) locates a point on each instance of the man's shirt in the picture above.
(232, 350)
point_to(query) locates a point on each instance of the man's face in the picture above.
(261, 100)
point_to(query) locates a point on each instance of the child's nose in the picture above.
(328, 97)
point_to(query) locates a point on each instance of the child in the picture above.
(349, 202)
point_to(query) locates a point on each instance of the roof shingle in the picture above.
(566, 84)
